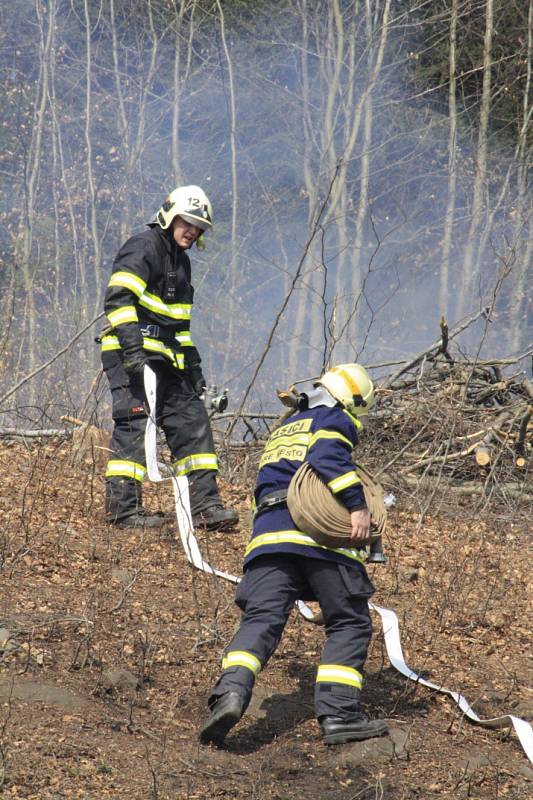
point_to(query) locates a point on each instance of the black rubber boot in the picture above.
(143, 519)
(225, 713)
(338, 731)
(123, 498)
(216, 517)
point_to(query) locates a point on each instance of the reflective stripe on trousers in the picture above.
(266, 595)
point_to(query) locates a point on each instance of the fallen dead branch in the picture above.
(440, 346)
(30, 433)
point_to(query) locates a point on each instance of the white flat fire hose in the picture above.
(389, 620)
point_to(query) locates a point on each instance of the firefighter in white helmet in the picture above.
(350, 384)
(148, 304)
(283, 564)
(191, 204)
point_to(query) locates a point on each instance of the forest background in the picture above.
(368, 165)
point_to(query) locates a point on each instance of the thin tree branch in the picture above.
(51, 360)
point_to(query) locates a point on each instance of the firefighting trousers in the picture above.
(183, 418)
(266, 595)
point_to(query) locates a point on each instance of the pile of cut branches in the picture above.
(447, 420)
(460, 422)
(441, 420)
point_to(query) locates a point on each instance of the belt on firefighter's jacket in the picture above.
(159, 332)
(270, 500)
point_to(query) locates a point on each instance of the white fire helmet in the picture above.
(350, 384)
(189, 202)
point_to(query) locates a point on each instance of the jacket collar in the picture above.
(165, 237)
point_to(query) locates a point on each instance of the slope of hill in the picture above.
(110, 642)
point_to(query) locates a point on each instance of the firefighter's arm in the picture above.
(330, 455)
(122, 314)
(131, 271)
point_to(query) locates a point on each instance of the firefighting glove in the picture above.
(197, 379)
(134, 363)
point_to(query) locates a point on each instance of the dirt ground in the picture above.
(110, 641)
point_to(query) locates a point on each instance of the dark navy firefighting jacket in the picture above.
(324, 437)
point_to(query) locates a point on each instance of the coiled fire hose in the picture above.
(389, 620)
(316, 510)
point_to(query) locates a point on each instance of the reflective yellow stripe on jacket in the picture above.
(156, 346)
(128, 281)
(122, 315)
(111, 342)
(324, 434)
(292, 443)
(290, 446)
(296, 537)
(343, 481)
(176, 311)
(357, 422)
(184, 338)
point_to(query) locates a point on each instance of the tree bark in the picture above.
(472, 255)
(452, 172)
(229, 350)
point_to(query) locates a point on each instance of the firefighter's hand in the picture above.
(360, 528)
(197, 379)
(134, 364)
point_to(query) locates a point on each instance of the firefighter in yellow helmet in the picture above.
(283, 564)
(148, 304)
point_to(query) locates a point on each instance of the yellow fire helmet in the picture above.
(350, 384)
(189, 202)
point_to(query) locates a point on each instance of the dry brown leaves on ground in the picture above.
(110, 642)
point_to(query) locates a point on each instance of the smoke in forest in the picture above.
(367, 162)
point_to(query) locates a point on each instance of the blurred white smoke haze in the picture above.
(316, 128)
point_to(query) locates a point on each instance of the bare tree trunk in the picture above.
(145, 87)
(375, 63)
(57, 276)
(94, 285)
(472, 252)
(234, 192)
(346, 338)
(64, 291)
(334, 225)
(311, 185)
(28, 262)
(330, 38)
(122, 118)
(338, 314)
(452, 166)
(178, 79)
(132, 126)
(524, 212)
